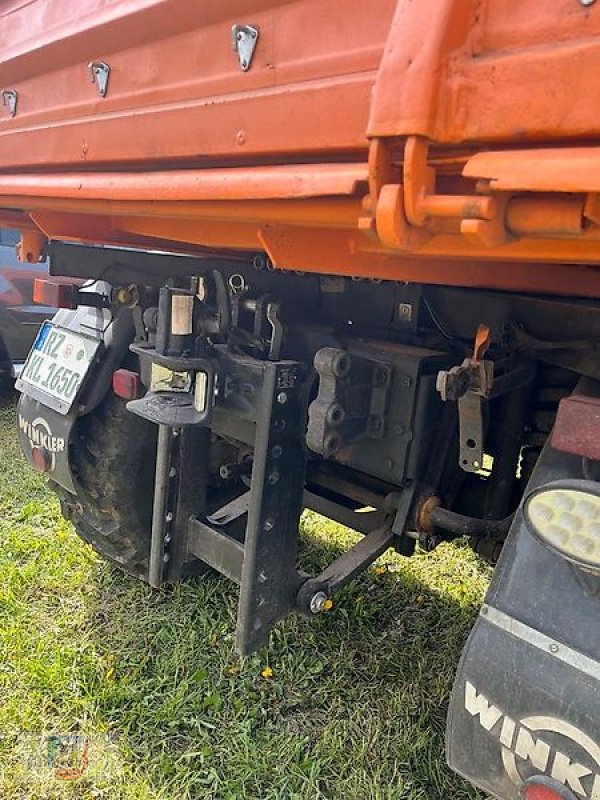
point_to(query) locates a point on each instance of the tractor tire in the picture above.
(113, 456)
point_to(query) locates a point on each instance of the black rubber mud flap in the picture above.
(526, 701)
(40, 426)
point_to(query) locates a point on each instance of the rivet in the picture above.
(282, 398)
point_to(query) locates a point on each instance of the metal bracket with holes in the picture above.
(99, 74)
(470, 384)
(244, 39)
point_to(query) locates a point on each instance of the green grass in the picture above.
(355, 707)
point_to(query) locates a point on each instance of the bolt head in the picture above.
(405, 312)
(317, 602)
(282, 398)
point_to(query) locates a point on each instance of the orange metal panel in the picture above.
(468, 71)
(188, 151)
(176, 90)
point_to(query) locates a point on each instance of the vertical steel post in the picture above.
(270, 579)
(161, 490)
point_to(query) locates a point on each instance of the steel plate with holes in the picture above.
(56, 366)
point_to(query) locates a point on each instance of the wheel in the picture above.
(113, 460)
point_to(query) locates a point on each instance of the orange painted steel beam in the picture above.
(566, 169)
(321, 212)
(241, 183)
(15, 219)
(85, 228)
(339, 255)
(553, 216)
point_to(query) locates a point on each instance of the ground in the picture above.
(351, 705)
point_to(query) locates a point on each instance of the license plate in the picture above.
(56, 366)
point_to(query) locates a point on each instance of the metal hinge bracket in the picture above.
(99, 74)
(9, 99)
(243, 41)
(405, 210)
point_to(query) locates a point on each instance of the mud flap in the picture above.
(526, 700)
(40, 426)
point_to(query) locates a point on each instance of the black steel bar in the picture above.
(193, 467)
(461, 525)
(161, 489)
(347, 488)
(269, 576)
(357, 559)
(216, 548)
(510, 426)
(362, 522)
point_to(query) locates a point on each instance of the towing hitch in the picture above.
(262, 404)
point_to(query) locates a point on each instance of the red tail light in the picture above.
(126, 384)
(577, 426)
(54, 293)
(41, 459)
(545, 789)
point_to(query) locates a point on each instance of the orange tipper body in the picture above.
(453, 142)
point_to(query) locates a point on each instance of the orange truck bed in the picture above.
(441, 141)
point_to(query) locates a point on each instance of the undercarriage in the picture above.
(412, 414)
